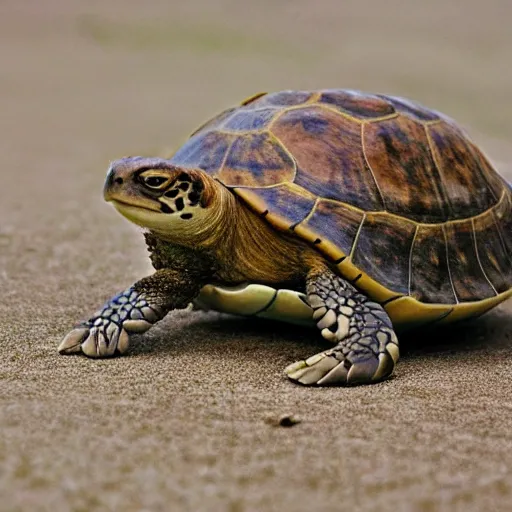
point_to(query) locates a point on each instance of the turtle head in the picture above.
(153, 193)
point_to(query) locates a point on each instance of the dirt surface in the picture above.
(182, 422)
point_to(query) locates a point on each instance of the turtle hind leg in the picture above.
(366, 347)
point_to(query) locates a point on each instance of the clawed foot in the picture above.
(107, 332)
(348, 364)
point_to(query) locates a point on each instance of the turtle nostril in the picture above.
(119, 181)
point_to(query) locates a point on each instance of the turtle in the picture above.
(363, 214)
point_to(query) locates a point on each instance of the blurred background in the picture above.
(83, 82)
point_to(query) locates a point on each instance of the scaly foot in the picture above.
(356, 360)
(107, 331)
(367, 346)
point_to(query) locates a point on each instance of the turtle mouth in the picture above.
(143, 216)
(124, 205)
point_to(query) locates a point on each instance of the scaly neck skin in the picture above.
(245, 247)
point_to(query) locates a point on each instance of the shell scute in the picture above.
(334, 222)
(493, 179)
(357, 104)
(215, 122)
(324, 166)
(469, 280)
(397, 151)
(256, 160)
(430, 276)
(288, 204)
(382, 250)
(257, 119)
(282, 99)
(492, 253)
(206, 151)
(467, 189)
(411, 109)
(503, 218)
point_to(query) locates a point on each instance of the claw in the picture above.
(71, 344)
(150, 314)
(93, 343)
(363, 370)
(90, 345)
(314, 373)
(386, 366)
(103, 347)
(124, 342)
(108, 331)
(393, 351)
(292, 368)
(336, 376)
(324, 369)
(138, 326)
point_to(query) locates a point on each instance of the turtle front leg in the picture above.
(135, 310)
(367, 346)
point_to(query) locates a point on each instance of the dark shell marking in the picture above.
(468, 278)
(256, 160)
(356, 104)
(335, 222)
(382, 250)
(468, 188)
(324, 166)
(488, 245)
(399, 188)
(206, 150)
(397, 151)
(430, 275)
(258, 120)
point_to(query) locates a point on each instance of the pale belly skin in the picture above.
(259, 301)
(291, 306)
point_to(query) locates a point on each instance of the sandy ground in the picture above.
(179, 423)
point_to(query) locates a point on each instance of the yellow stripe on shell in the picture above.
(252, 98)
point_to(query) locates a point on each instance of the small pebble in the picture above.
(283, 420)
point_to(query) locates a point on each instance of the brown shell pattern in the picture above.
(397, 188)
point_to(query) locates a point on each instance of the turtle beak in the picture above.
(112, 184)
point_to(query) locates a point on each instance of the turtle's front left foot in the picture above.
(107, 332)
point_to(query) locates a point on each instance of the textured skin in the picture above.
(383, 180)
(146, 302)
(366, 345)
(107, 332)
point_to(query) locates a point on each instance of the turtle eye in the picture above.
(154, 181)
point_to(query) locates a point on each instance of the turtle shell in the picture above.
(393, 194)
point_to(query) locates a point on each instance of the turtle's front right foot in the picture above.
(107, 332)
